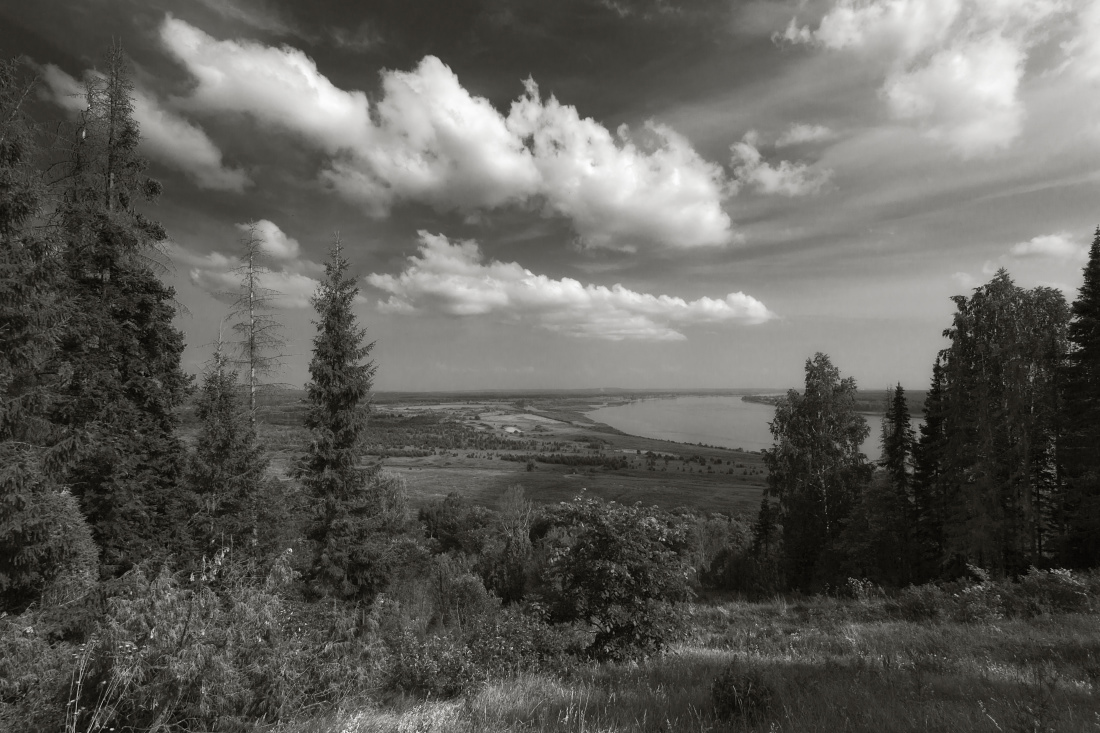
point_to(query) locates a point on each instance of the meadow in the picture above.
(820, 664)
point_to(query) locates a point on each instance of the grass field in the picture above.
(829, 665)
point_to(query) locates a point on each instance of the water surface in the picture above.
(726, 421)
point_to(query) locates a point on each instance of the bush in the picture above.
(740, 693)
(1047, 591)
(435, 666)
(923, 603)
(620, 569)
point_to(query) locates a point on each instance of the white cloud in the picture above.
(1058, 246)
(165, 136)
(430, 140)
(435, 142)
(966, 96)
(953, 67)
(786, 179)
(453, 278)
(286, 274)
(617, 190)
(799, 133)
(280, 87)
(276, 243)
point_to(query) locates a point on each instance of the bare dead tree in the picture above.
(260, 342)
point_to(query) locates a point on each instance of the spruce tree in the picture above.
(1079, 445)
(897, 441)
(40, 525)
(339, 395)
(119, 344)
(227, 466)
(930, 482)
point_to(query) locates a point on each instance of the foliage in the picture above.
(1079, 437)
(619, 568)
(351, 560)
(816, 469)
(1000, 407)
(226, 467)
(118, 348)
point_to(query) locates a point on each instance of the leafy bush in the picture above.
(740, 693)
(435, 666)
(923, 603)
(1047, 591)
(620, 569)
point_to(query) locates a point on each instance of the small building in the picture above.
(513, 430)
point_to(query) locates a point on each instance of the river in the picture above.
(726, 421)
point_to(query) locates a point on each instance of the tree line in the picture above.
(1004, 474)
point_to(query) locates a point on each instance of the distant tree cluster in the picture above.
(1004, 475)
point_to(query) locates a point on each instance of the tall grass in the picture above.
(830, 665)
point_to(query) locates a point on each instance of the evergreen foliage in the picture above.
(930, 485)
(816, 468)
(227, 466)
(360, 521)
(119, 344)
(40, 527)
(1079, 445)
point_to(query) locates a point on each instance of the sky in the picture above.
(605, 193)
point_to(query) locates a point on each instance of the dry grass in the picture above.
(830, 666)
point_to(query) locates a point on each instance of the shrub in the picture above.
(923, 603)
(1047, 591)
(740, 693)
(435, 666)
(620, 569)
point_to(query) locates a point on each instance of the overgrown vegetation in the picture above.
(149, 584)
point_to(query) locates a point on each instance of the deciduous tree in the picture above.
(816, 469)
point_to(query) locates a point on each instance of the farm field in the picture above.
(478, 447)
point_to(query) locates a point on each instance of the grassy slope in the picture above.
(832, 666)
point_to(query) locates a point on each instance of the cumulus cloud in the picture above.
(786, 179)
(165, 136)
(287, 274)
(437, 143)
(453, 278)
(953, 67)
(428, 139)
(1058, 246)
(280, 87)
(616, 189)
(800, 133)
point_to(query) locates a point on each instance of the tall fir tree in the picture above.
(897, 441)
(40, 525)
(120, 345)
(339, 395)
(1079, 444)
(816, 468)
(226, 468)
(931, 495)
